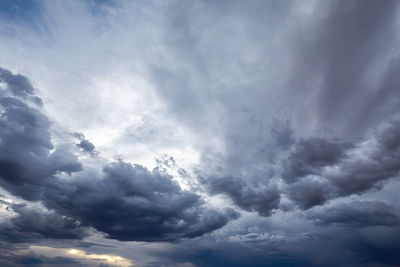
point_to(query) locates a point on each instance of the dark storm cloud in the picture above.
(326, 245)
(38, 260)
(339, 63)
(126, 202)
(85, 144)
(310, 155)
(379, 161)
(31, 224)
(260, 198)
(132, 203)
(325, 170)
(228, 70)
(310, 193)
(249, 185)
(33, 259)
(26, 161)
(19, 85)
(356, 214)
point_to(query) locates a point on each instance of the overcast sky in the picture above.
(200, 133)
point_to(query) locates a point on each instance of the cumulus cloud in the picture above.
(349, 168)
(32, 224)
(288, 110)
(261, 198)
(312, 154)
(124, 201)
(85, 144)
(27, 161)
(131, 203)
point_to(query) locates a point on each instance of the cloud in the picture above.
(131, 203)
(27, 161)
(126, 202)
(261, 198)
(309, 156)
(31, 224)
(18, 84)
(275, 106)
(45, 255)
(348, 168)
(356, 214)
(309, 193)
(348, 71)
(85, 144)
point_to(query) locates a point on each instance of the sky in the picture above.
(199, 133)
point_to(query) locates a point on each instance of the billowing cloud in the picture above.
(310, 155)
(124, 201)
(27, 162)
(162, 122)
(31, 224)
(131, 203)
(260, 198)
(349, 168)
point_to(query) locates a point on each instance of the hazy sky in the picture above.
(200, 133)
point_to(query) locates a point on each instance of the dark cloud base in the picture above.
(128, 202)
(312, 141)
(125, 202)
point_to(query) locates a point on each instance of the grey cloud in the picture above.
(26, 161)
(310, 155)
(31, 224)
(246, 178)
(347, 168)
(350, 247)
(63, 160)
(85, 144)
(132, 203)
(227, 70)
(352, 42)
(33, 259)
(356, 214)
(260, 198)
(19, 85)
(324, 83)
(310, 193)
(126, 202)
(379, 163)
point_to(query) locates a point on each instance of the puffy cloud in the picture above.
(126, 202)
(261, 198)
(85, 144)
(19, 85)
(325, 170)
(131, 203)
(309, 193)
(310, 155)
(33, 224)
(27, 161)
(223, 74)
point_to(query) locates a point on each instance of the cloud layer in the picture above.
(124, 201)
(218, 133)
